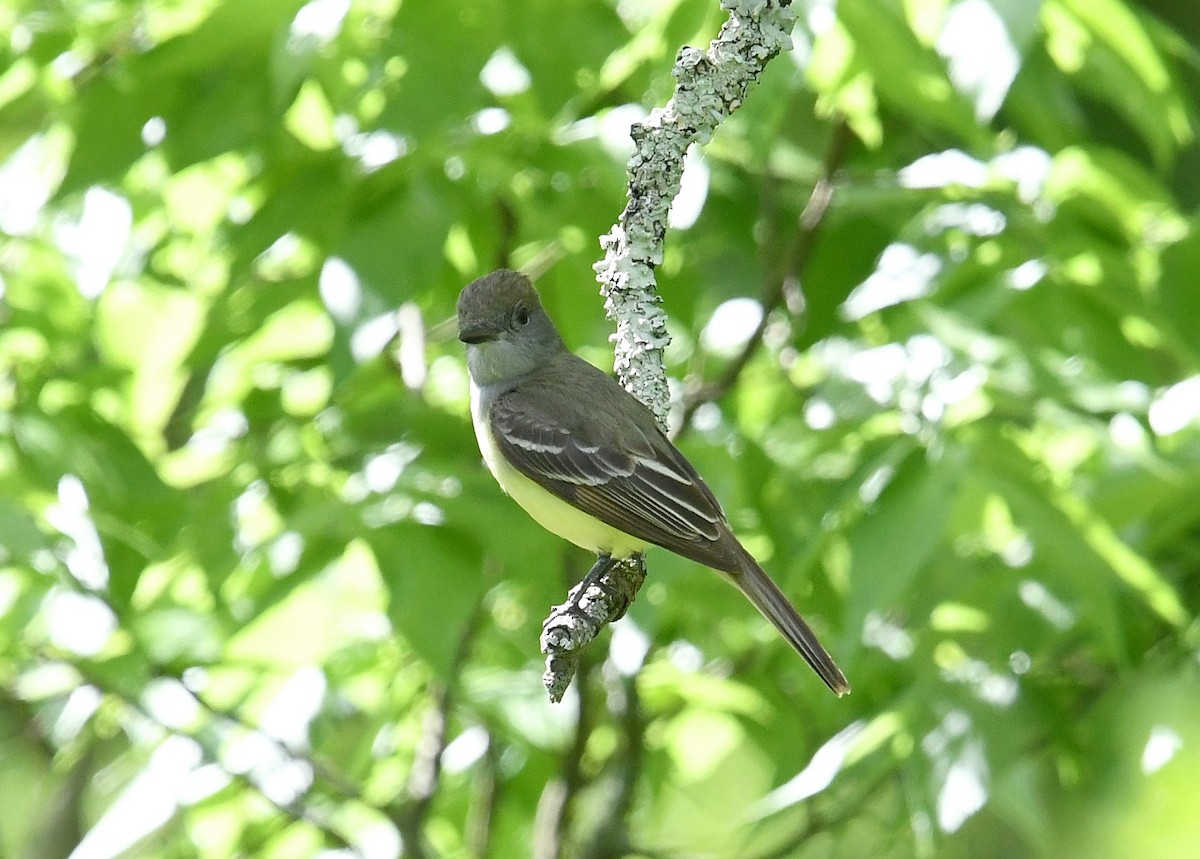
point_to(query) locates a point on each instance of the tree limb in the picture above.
(485, 800)
(426, 772)
(709, 86)
(818, 820)
(611, 840)
(296, 809)
(552, 820)
(790, 274)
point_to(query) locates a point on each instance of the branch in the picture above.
(333, 781)
(408, 814)
(552, 820)
(426, 772)
(709, 86)
(780, 282)
(817, 822)
(603, 596)
(296, 809)
(485, 800)
(611, 840)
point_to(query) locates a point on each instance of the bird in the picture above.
(588, 461)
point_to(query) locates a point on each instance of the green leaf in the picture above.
(898, 534)
(1113, 57)
(888, 60)
(434, 579)
(440, 56)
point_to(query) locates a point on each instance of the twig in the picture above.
(815, 822)
(778, 283)
(552, 821)
(485, 799)
(611, 840)
(333, 780)
(709, 86)
(61, 817)
(423, 779)
(295, 809)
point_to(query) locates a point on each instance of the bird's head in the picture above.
(507, 333)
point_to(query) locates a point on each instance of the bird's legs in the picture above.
(604, 563)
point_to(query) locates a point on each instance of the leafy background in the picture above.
(259, 598)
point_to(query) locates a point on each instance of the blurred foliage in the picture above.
(259, 598)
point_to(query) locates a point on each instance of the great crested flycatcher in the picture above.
(588, 462)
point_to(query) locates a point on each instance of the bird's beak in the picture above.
(475, 333)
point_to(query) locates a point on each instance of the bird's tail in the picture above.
(775, 607)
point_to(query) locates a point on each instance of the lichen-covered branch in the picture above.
(709, 86)
(602, 597)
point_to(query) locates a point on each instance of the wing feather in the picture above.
(624, 472)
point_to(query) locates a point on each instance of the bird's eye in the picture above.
(522, 316)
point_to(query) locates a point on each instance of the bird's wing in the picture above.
(581, 436)
(601, 451)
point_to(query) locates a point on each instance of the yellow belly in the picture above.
(548, 510)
